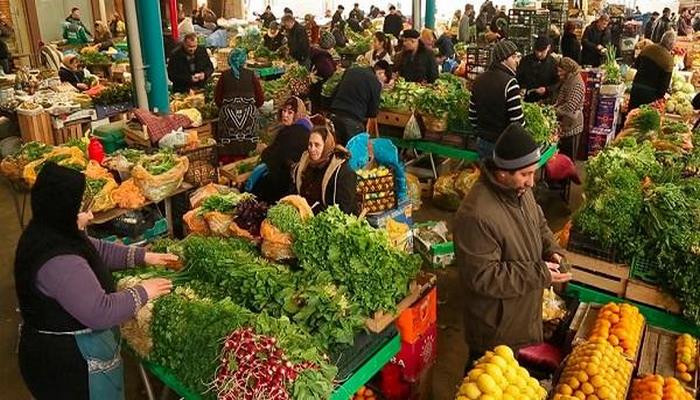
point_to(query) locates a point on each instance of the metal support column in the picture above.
(416, 15)
(430, 14)
(152, 47)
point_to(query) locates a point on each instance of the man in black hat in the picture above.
(537, 72)
(297, 41)
(505, 252)
(416, 63)
(495, 100)
(595, 38)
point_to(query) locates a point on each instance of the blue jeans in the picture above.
(485, 149)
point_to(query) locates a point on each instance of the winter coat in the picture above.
(569, 105)
(661, 26)
(463, 35)
(393, 23)
(298, 43)
(534, 73)
(336, 184)
(501, 241)
(357, 94)
(495, 102)
(570, 46)
(592, 37)
(418, 67)
(654, 69)
(179, 71)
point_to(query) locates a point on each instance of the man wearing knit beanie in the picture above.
(505, 252)
(495, 100)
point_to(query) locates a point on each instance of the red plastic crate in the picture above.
(418, 318)
(414, 358)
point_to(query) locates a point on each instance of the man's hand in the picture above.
(556, 258)
(541, 91)
(82, 86)
(558, 277)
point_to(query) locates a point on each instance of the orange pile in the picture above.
(621, 325)
(364, 393)
(594, 371)
(656, 387)
(686, 356)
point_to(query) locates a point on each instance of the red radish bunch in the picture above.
(253, 367)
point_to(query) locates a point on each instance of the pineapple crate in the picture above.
(35, 127)
(393, 118)
(70, 131)
(658, 356)
(375, 190)
(651, 295)
(608, 276)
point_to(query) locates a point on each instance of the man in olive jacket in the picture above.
(506, 253)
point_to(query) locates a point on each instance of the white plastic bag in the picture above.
(186, 26)
(412, 129)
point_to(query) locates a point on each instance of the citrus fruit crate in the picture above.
(651, 295)
(658, 356)
(588, 314)
(609, 276)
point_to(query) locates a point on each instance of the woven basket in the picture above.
(204, 162)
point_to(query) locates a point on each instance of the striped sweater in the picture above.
(495, 102)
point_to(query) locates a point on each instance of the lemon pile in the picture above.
(594, 371)
(686, 355)
(621, 325)
(656, 387)
(497, 375)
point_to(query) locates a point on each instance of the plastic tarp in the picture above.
(385, 153)
(218, 39)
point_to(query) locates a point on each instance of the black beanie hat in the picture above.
(410, 34)
(515, 149)
(57, 195)
(542, 42)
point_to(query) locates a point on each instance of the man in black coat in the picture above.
(661, 25)
(594, 39)
(393, 23)
(654, 69)
(189, 66)
(338, 16)
(356, 98)
(537, 72)
(356, 13)
(297, 40)
(649, 26)
(415, 62)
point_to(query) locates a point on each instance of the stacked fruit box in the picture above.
(375, 189)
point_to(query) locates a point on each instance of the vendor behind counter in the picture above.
(189, 66)
(72, 73)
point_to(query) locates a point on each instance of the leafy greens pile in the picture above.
(540, 121)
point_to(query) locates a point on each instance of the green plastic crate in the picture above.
(160, 227)
(643, 269)
(111, 136)
(438, 255)
(654, 316)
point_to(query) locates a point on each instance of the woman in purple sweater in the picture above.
(67, 297)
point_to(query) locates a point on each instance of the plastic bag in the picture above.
(218, 39)
(277, 245)
(185, 26)
(219, 223)
(444, 194)
(414, 191)
(196, 224)
(173, 139)
(465, 181)
(237, 231)
(102, 201)
(412, 129)
(128, 195)
(193, 114)
(72, 156)
(204, 192)
(158, 187)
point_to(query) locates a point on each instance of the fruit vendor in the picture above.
(69, 305)
(537, 72)
(594, 39)
(323, 176)
(357, 98)
(72, 73)
(189, 66)
(505, 252)
(496, 100)
(74, 31)
(654, 70)
(416, 63)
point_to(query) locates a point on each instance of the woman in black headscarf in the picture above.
(67, 297)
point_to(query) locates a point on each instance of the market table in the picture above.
(433, 148)
(371, 366)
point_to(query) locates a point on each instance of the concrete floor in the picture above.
(452, 351)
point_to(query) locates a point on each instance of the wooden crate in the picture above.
(658, 356)
(35, 128)
(585, 320)
(393, 118)
(611, 277)
(136, 135)
(205, 131)
(68, 132)
(651, 295)
(417, 288)
(230, 171)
